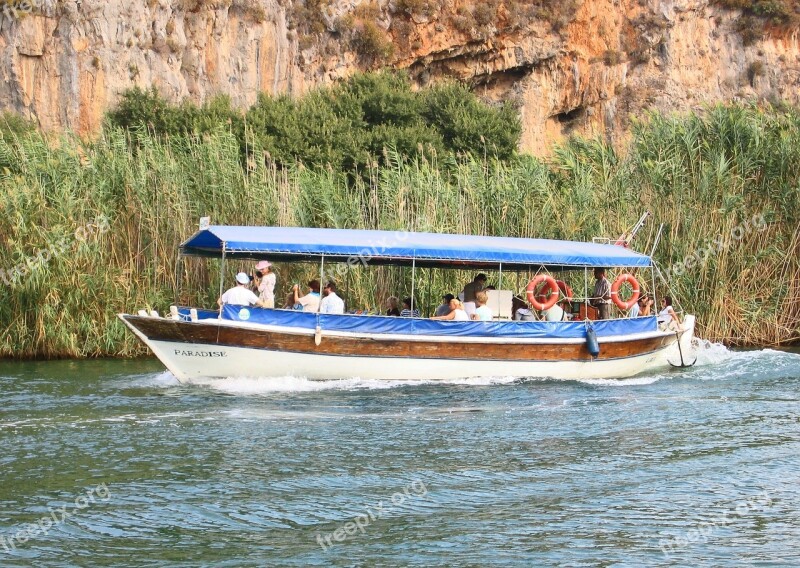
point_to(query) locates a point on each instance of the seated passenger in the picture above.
(667, 318)
(555, 313)
(407, 312)
(331, 303)
(444, 308)
(482, 312)
(633, 311)
(457, 312)
(645, 305)
(309, 302)
(240, 295)
(392, 305)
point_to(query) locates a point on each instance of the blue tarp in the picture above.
(416, 326)
(400, 247)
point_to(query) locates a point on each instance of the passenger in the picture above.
(407, 312)
(602, 294)
(556, 312)
(645, 305)
(457, 312)
(474, 287)
(309, 302)
(444, 307)
(265, 283)
(667, 316)
(331, 303)
(634, 310)
(482, 312)
(240, 295)
(392, 305)
(289, 304)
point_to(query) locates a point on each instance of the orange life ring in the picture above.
(621, 279)
(549, 283)
(545, 290)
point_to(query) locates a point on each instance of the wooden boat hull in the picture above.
(220, 348)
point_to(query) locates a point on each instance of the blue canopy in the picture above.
(401, 247)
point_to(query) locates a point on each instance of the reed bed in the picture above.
(725, 183)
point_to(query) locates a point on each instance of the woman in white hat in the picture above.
(265, 283)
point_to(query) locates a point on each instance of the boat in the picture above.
(239, 341)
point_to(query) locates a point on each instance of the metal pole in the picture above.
(176, 289)
(222, 269)
(586, 293)
(413, 278)
(658, 238)
(500, 278)
(321, 278)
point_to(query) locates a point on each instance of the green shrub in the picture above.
(12, 124)
(370, 42)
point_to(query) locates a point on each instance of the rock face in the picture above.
(587, 70)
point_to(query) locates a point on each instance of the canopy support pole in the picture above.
(500, 278)
(222, 269)
(321, 279)
(586, 291)
(413, 279)
(177, 288)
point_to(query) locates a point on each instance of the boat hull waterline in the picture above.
(219, 349)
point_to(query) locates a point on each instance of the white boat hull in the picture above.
(196, 360)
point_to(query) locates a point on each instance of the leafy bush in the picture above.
(12, 124)
(345, 127)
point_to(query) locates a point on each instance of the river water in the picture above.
(113, 463)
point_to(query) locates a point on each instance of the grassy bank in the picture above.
(90, 229)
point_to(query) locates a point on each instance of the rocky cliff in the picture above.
(574, 66)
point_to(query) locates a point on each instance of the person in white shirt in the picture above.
(667, 318)
(331, 303)
(240, 295)
(482, 312)
(457, 312)
(310, 301)
(633, 312)
(554, 313)
(265, 283)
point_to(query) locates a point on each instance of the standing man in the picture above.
(601, 299)
(265, 283)
(474, 287)
(331, 303)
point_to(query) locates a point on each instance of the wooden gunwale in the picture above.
(198, 333)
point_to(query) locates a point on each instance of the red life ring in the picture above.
(549, 283)
(545, 290)
(621, 279)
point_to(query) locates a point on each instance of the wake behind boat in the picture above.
(257, 342)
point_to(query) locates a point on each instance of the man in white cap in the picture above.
(265, 283)
(240, 295)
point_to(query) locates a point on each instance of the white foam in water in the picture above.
(263, 385)
(642, 380)
(164, 379)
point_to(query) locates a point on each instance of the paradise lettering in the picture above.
(184, 353)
